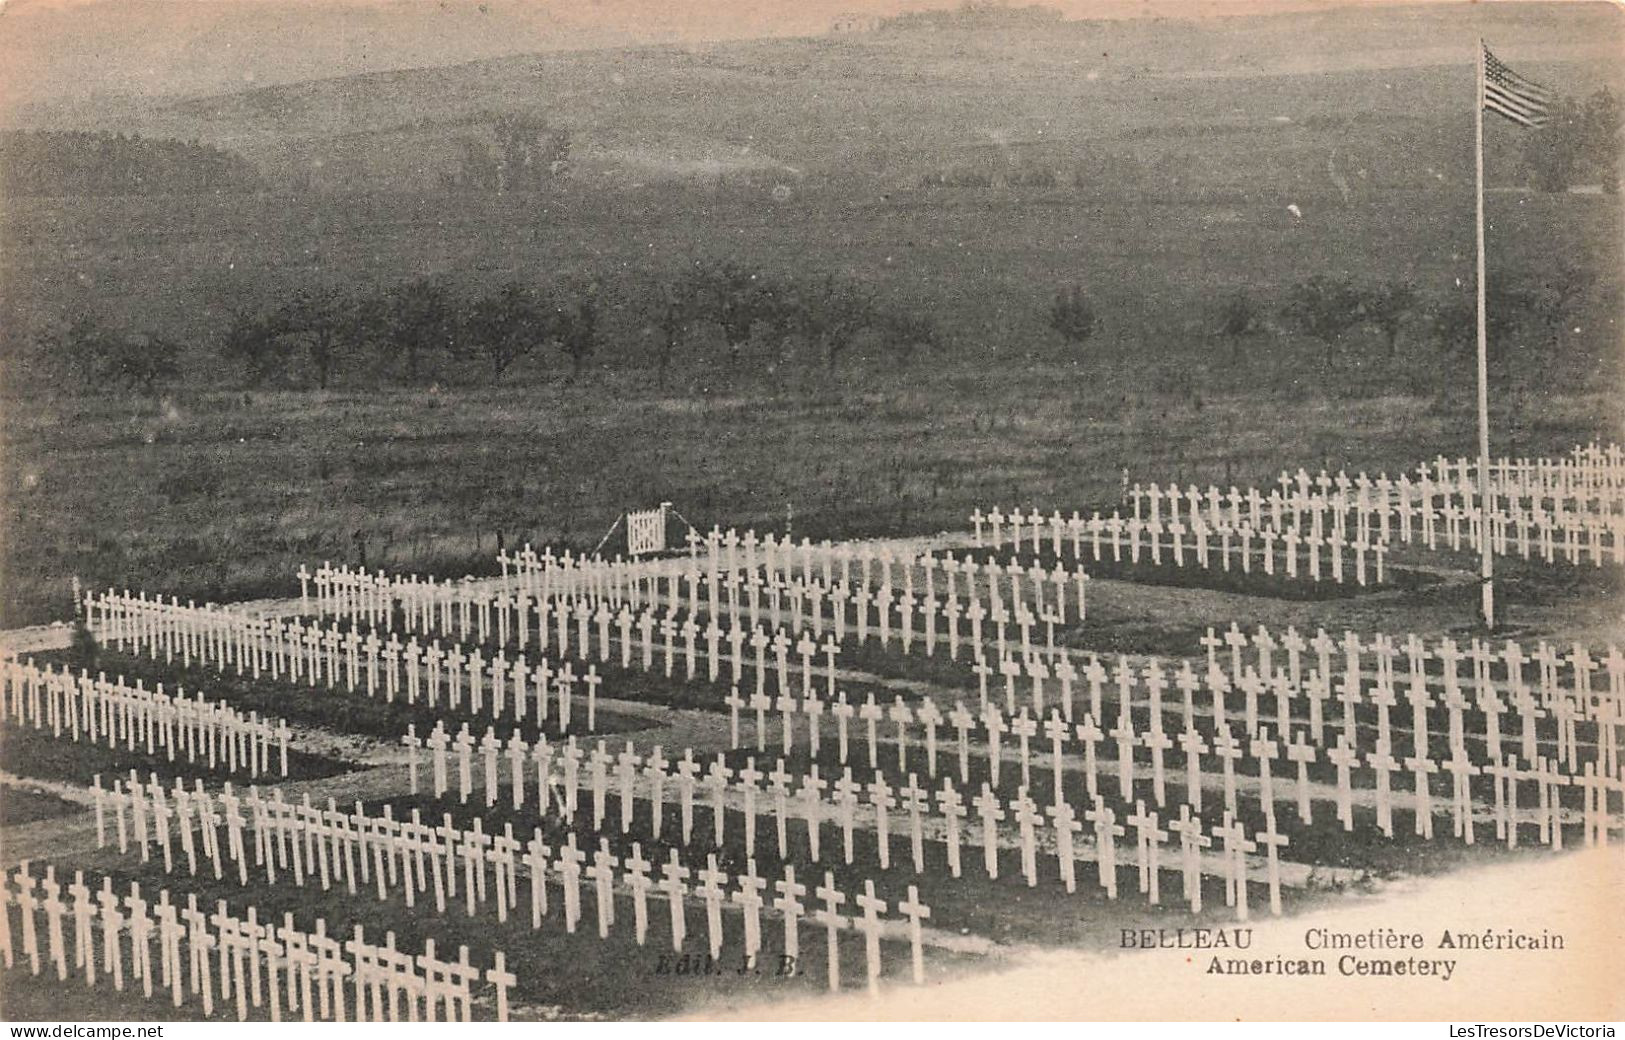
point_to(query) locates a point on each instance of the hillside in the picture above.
(894, 105)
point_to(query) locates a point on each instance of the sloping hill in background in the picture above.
(1163, 100)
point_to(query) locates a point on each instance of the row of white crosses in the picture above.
(1591, 479)
(842, 714)
(307, 844)
(823, 566)
(562, 577)
(206, 958)
(1287, 552)
(134, 622)
(554, 625)
(913, 623)
(1575, 538)
(779, 582)
(1565, 692)
(889, 574)
(1315, 702)
(427, 603)
(1380, 509)
(1308, 680)
(757, 610)
(1556, 486)
(823, 583)
(577, 628)
(469, 681)
(1588, 468)
(1440, 506)
(834, 613)
(800, 799)
(77, 707)
(868, 592)
(546, 576)
(1157, 508)
(566, 628)
(960, 732)
(492, 682)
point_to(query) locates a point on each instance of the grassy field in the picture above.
(221, 495)
(215, 492)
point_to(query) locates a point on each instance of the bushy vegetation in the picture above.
(510, 152)
(1072, 316)
(1580, 144)
(724, 320)
(68, 163)
(428, 330)
(1331, 309)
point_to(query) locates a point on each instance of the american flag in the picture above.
(1510, 95)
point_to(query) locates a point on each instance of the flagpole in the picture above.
(1487, 581)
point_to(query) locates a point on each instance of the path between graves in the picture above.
(75, 793)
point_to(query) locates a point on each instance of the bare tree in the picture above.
(736, 300)
(143, 362)
(1454, 322)
(99, 356)
(1581, 139)
(676, 306)
(254, 340)
(907, 334)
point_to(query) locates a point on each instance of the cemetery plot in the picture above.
(324, 706)
(1287, 564)
(62, 725)
(1226, 572)
(216, 958)
(1551, 510)
(640, 655)
(974, 900)
(615, 784)
(539, 890)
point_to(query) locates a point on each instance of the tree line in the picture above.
(509, 153)
(413, 331)
(1580, 143)
(1330, 309)
(723, 317)
(58, 163)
